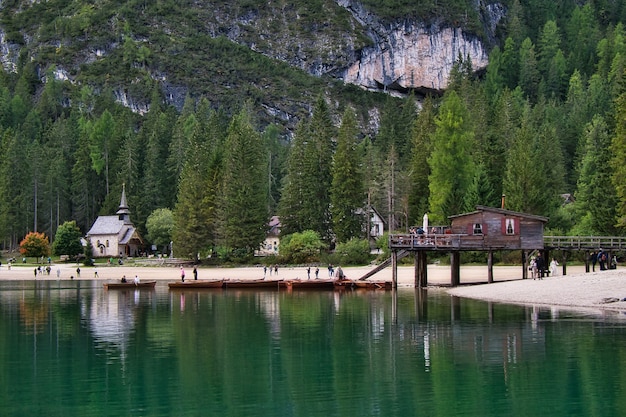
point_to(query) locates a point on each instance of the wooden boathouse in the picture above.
(485, 229)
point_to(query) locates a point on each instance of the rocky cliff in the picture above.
(234, 50)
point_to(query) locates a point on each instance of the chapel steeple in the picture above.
(123, 212)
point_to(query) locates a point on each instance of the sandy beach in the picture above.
(597, 290)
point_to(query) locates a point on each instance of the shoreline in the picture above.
(600, 290)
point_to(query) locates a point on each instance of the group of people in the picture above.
(602, 258)
(182, 273)
(270, 268)
(538, 267)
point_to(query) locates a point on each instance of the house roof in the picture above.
(106, 225)
(274, 226)
(480, 209)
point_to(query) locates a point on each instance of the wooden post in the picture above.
(524, 264)
(421, 270)
(394, 269)
(455, 268)
(416, 270)
(490, 267)
(564, 263)
(587, 257)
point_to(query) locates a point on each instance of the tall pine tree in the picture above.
(347, 193)
(243, 215)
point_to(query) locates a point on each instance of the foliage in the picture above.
(159, 226)
(451, 164)
(67, 240)
(301, 247)
(88, 252)
(347, 197)
(353, 252)
(244, 203)
(35, 245)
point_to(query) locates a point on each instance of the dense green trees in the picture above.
(543, 122)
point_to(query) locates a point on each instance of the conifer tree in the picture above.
(243, 208)
(596, 198)
(346, 193)
(84, 196)
(102, 145)
(196, 212)
(322, 136)
(296, 207)
(15, 206)
(451, 164)
(618, 151)
(422, 132)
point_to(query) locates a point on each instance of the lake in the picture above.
(71, 348)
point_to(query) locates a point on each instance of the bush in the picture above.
(352, 252)
(301, 248)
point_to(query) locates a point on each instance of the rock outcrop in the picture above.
(411, 55)
(415, 57)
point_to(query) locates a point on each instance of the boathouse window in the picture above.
(478, 229)
(510, 227)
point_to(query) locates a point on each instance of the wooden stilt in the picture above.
(455, 268)
(525, 264)
(394, 269)
(490, 267)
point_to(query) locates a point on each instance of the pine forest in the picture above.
(543, 125)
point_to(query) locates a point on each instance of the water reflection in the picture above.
(236, 352)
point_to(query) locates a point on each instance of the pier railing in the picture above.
(476, 242)
(585, 242)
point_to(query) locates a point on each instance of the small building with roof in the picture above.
(271, 244)
(115, 236)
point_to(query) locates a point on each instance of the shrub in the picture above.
(352, 252)
(301, 248)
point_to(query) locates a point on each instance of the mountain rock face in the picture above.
(415, 57)
(400, 56)
(412, 55)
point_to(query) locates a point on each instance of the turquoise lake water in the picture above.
(71, 348)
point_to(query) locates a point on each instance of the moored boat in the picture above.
(347, 284)
(129, 284)
(196, 284)
(373, 285)
(254, 283)
(313, 284)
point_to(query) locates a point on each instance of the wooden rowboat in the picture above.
(373, 285)
(129, 285)
(196, 284)
(347, 284)
(255, 283)
(313, 284)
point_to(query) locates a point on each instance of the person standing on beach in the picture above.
(553, 269)
(533, 267)
(594, 260)
(540, 265)
(95, 273)
(308, 272)
(182, 274)
(195, 273)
